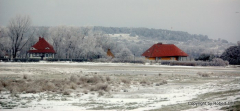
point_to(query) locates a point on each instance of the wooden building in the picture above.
(41, 50)
(109, 53)
(161, 51)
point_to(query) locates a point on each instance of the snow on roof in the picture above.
(163, 50)
(42, 46)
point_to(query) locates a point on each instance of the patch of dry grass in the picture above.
(84, 83)
(74, 82)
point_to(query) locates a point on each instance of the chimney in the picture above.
(40, 38)
(160, 43)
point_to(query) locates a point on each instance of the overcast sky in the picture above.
(215, 18)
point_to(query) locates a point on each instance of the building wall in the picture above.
(38, 55)
(168, 58)
(162, 58)
(150, 58)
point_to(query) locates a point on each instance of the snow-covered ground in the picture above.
(185, 88)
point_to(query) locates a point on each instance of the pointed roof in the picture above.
(109, 53)
(42, 46)
(164, 50)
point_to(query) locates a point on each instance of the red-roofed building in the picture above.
(42, 50)
(161, 51)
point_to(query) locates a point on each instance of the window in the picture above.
(46, 55)
(32, 48)
(47, 48)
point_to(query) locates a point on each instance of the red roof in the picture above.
(42, 46)
(163, 50)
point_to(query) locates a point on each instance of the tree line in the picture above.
(93, 42)
(68, 41)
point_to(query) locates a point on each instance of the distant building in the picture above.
(109, 53)
(6, 56)
(161, 51)
(42, 50)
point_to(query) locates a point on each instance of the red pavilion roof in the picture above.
(42, 46)
(164, 50)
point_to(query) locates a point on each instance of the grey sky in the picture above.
(215, 18)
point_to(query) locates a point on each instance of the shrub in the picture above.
(100, 93)
(32, 89)
(203, 74)
(5, 83)
(85, 91)
(14, 89)
(159, 74)
(73, 85)
(74, 78)
(83, 80)
(1, 86)
(66, 92)
(219, 62)
(25, 76)
(93, 79)
(100, 86)
(143, 81)
(125, 81)
(108, 78)
(49, 86)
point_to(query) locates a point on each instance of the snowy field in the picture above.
(134, 87)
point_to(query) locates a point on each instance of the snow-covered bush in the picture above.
(124, 55)
(219, 62)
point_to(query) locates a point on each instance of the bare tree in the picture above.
(18, 28)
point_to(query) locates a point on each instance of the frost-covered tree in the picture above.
(206, 57)
(232, 55)
(42, 32)
(77, 42)
(17, 29)
(5, 46)
(124, 55)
